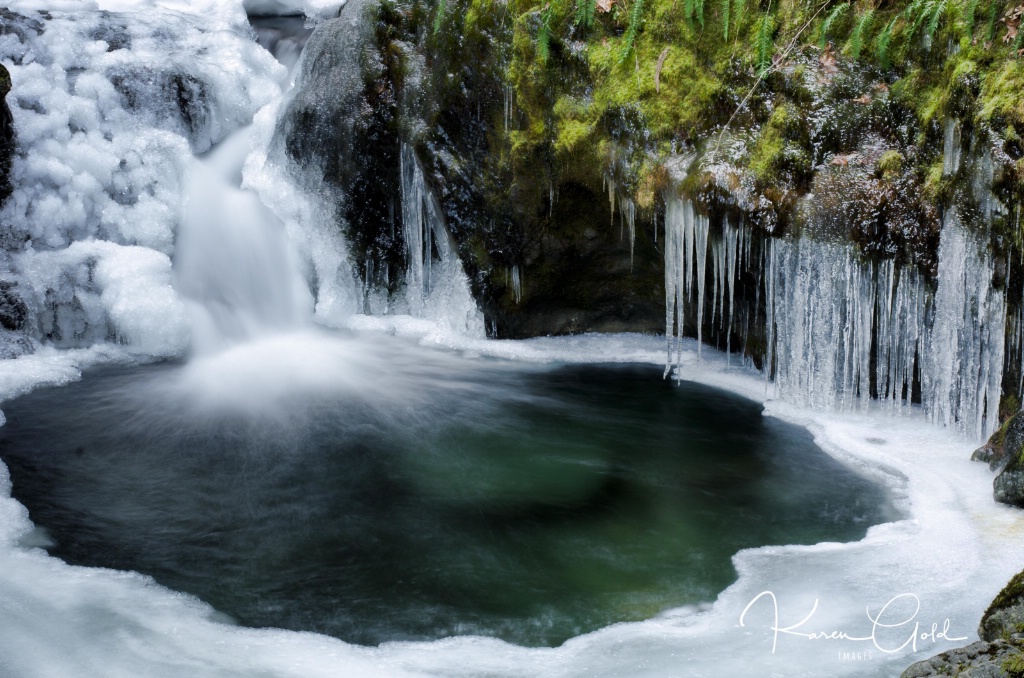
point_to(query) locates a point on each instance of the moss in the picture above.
(890, 164)
(1014, 665)
(1012, 594)
(779, 155)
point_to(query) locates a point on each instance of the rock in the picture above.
(999, 653)
(994, 456)
(7, 139)
(13, 311)
(1005, 616)
(1003, 451)
(982, 659)
(1008, 487)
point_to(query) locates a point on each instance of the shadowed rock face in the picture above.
(1003, 451)
(6, 135)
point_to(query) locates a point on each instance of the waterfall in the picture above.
(232, 259)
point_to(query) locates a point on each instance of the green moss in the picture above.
(891, 164)
(779, 155)
(1001, 93)
(1014, 665)
(1012, 594)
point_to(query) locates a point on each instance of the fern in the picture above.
(860, 30)
(739, 14)
(938, 10)
(993, 13)
(586, 10)
(969, 17)
(544, 35)
(765, 45)
(916, 14)
(689, 6)
(883, 43)
(698, 9)
(835, 15)
(439, 16)
(726, 7)
(633, 29)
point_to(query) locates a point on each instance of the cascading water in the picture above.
(232, 259)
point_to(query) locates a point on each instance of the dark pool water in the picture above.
(527, 504)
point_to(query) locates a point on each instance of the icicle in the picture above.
(628, 208)
(950, 147)
(413, 223)
(508, 107)
(965, 348)
(517, 283)
(442, 295)
(701, 226)
(610, 183)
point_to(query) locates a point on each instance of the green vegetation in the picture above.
(1014, 665)
(614, 88)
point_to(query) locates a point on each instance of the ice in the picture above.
(313, 9)
(964, 364)
(688, 238)
(954, 551)
(436, 290)
(109, 109)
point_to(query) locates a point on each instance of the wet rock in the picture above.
(13, 311)
(999, 653)
(1003, 446)
(994, 456)
(7, 138)
(977, 660)
(1007, 443)
(1004, 618)
(174, 99)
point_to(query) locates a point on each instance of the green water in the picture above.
(527, 504)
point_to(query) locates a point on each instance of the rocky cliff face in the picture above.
(555, 137)
(6, 135)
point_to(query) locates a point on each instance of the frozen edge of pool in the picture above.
(954, 552)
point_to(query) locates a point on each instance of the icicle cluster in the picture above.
(840, 330)
(687, 239)
(627, 213)
(843, 329)
(443, 294)
(964, 363)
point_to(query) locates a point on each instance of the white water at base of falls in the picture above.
(233, 262)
